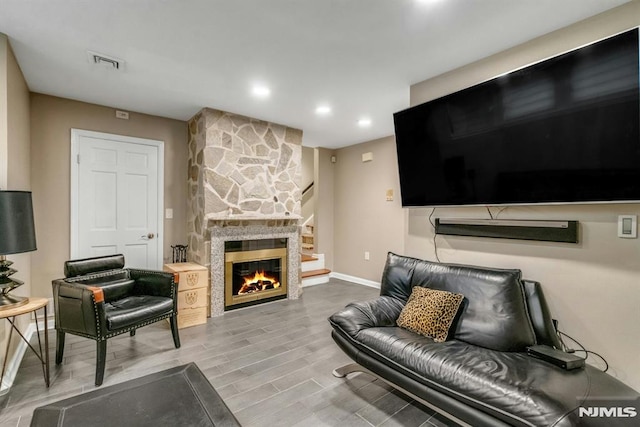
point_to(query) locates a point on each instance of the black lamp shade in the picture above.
(17, 231)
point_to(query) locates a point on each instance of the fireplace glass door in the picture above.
(254, 273)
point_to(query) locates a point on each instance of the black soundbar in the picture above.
(559, 358)
(545, 231)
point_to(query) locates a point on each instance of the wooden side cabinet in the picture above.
(193, 287)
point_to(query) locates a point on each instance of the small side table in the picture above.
(30, 307)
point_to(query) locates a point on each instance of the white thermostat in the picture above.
(628, 226)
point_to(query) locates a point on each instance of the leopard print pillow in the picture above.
(430, 312)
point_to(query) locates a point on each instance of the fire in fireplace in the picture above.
(258, 282)
(255, 272)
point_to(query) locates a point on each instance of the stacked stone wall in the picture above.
(239, 168)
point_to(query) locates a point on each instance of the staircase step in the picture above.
(313, 273)
(307, 258)
(312, 262)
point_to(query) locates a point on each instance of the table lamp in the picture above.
(17, 235)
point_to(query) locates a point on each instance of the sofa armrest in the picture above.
(356, 316)
(156, 283)
(540, 315)
(78, 307)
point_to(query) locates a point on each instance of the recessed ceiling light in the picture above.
(364, 122)
(323, 110)
(261, 91)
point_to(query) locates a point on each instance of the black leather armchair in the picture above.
(99, 299)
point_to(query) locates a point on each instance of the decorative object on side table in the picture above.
(179, 253)
(17, 235)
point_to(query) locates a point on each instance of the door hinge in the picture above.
(78, 159)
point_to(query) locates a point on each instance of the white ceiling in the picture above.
(358, 56)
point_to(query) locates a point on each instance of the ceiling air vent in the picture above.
(105, 60)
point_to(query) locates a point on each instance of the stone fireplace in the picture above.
(244, 190)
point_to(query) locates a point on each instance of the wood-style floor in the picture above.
(270, 363)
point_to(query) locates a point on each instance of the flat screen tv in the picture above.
(564, 130)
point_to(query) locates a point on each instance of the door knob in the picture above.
(148, 236)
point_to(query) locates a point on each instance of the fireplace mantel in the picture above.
(214, 218)
(222, 231)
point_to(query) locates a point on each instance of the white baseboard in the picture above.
(316, 280)
(14, 363)
(357, 280)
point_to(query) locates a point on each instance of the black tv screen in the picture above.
(564, 130)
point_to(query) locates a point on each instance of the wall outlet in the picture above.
(366, 256)
(168, 213)
(390, 195)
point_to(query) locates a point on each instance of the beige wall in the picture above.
(364, 219)
(15, 168)
(308, 199)
(18, 153)
(307, 166)
(4, 155)
(324, 193)
(593, 287)
(18, 132)
(51, 122)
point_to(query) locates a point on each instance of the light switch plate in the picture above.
(628, 226)
(122, 115)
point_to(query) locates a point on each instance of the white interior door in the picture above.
(118, 198)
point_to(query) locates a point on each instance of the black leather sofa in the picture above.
(482, 375)
(99, 299)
